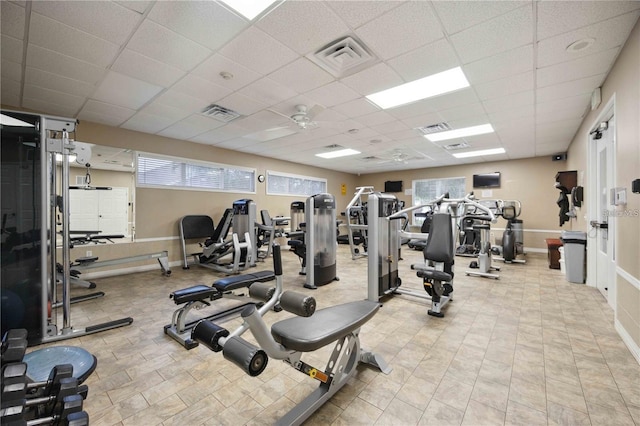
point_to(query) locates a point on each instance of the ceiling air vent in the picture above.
(434, 128)
(343, 57)
(220, 113)
(454, 146)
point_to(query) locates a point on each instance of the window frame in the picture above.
(270, 173)
(418, 220)
(198, 163)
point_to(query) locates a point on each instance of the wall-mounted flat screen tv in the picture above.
(393, 186)
(487, 180)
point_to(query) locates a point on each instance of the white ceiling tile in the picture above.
(379, 117)
(422, 120)
(562, 129)
(474, 111)
(556, 17)
(576, 69)
(332, 94)
(258, 51)
(12, 20)
(303, 26)
(242, 104)
(53, 96)
(552, 148)
(10, 99)
(512, 114)
(164, 45)
(501, 34)
(301, 75)
(102, 108)
(574, 103)
(373, 79)
(11, 70)
(178, 100)
(400, 30)
(505, 86)
(9, 88)
(146, 69)
(11, 49)
(202, 89)
(547, 116)
(50, 34)
(267, 91)
(607, 34)
(211, 68)
(205, 22)
(125, 91)
(458, 15)
(509, 63)
(508, 102)
(426, 60)
(147, 123)
(104, 19)
(356, 108)
(167, 112)
(109, 120)
(50, 61)
(190, 127)
(52, 108)
(139, 6)
(411, 110)
(570, 88)
(51, 81)
(453, 99)
(356, 13)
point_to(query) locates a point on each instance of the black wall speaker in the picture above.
(635, 186)
(559, 157)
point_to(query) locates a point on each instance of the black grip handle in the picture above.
(277, 260)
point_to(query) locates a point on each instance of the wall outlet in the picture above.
(89, 253)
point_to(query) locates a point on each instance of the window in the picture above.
(287, 184)
(425, 190)
(156, 171)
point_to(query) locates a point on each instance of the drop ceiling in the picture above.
(154, 67)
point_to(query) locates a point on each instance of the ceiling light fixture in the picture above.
(460, 133)
(580, 45)
(482, 152)
(340, 153)
(426, 87)
(249, 9)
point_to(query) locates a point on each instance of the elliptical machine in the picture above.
(512, 238)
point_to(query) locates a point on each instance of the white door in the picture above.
(604, 222)
(84, 208)
(114, 213)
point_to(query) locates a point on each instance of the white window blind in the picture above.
(157, 171)
(425, 190)
(279, 183)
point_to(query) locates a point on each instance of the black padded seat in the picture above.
(241, 281)
(295, 243)
(435, 275)
(194, 293)
(325, 326)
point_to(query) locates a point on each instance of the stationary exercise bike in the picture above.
(512, 238)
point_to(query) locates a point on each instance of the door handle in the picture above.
(599, 225)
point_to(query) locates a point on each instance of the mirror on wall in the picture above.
(102, 195)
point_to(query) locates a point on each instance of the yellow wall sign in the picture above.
(344, 189)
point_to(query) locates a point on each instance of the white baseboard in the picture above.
(626, 338)
(534, 250)
(130, 270)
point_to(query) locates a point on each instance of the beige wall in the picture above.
(158, 210)
(623, 82)
(529, 180)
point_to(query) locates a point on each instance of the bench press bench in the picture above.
(199, 296)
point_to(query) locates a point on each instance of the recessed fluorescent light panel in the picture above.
(427, 87)
(480, 153)
(460, 133)
(340, 153)
(249, 8)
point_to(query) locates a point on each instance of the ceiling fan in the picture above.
(303, 116)
(397, 155)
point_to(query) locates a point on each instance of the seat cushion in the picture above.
(435, 275)
(241, 281)
(325, 326)
(191, 294)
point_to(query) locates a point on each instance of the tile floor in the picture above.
(527, 349)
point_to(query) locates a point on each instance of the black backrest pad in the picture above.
(196, 226)
(222, 230)
(439, 246)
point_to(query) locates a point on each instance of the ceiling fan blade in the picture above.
(315, 110)
(280, 114)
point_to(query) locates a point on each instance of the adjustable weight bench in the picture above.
(288, 339)
(199, 296)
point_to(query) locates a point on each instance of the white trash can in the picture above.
(575, 244)
(561, 261)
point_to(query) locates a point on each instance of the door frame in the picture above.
(607, 112)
